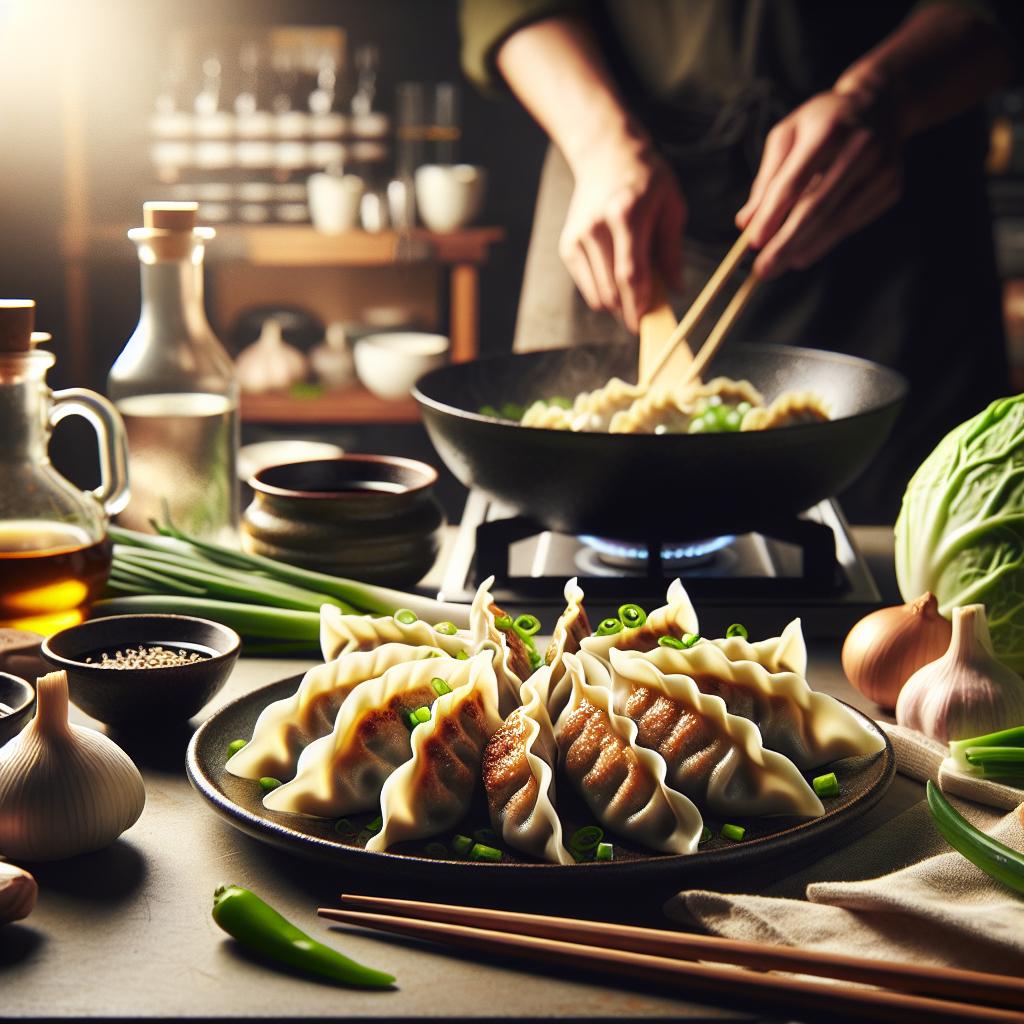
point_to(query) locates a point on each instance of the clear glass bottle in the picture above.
(174, 385)
(54, 551)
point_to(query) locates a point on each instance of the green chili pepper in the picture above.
(245, 917)
(632, 616)
(993, 857)
(609, 627)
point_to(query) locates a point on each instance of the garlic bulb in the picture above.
(887, 647)
(332, 360)
(270, 363)
(64, 789)
(18, 891)
(966, 692)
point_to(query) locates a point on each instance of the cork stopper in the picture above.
(17, 318)
(169, 216)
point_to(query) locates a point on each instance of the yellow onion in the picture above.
(887, 647)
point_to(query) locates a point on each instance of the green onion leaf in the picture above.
(235, 746)
(421, 715)
(374, 826)
(489, 410)
(632, 616)
(670, 641)
(609, 627)
(733, 832)
(689, 639)
(479, 851)
(503, 622)
(440, 687)
(604, 851)
(705, 835)
(406, 616)
(737, 629)
(585, 839)
(461, 656)
(462, 845)
(267, 783)
(826, 785)
(446, 628)
(561, 401)
(526, 625)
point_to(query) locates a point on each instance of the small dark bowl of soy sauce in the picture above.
(373, 518)
(144, 671)
(17, 698)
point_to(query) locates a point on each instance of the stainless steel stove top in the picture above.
(754, 578)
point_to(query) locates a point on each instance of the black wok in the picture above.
(672, 486)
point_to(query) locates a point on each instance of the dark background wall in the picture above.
(119, 47)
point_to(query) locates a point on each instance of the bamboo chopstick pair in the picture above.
(678, 338)
(904, 991)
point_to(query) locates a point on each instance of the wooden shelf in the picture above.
(287, 245)
(354, 405)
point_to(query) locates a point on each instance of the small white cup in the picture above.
(449, 196)
(334, 201)
(389, 364)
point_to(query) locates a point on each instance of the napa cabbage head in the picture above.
(960, 532)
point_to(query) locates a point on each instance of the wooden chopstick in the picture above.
(707, 295)
(767, 990)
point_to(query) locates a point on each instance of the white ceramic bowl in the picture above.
(389, 364)
(449, 196)
(334, 201)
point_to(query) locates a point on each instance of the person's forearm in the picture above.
(941, 61)
(556, 69)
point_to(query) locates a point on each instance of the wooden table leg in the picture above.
(464, 310)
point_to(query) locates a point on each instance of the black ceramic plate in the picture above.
(862, 780)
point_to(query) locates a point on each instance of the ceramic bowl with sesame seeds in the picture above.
(144, 671)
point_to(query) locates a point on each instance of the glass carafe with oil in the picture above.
(174, 386)
(54, 552)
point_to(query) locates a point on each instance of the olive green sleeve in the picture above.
(486, 24)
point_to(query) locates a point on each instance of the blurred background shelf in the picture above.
(352, 405)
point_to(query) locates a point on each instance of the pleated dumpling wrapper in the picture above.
(344, 771)
(519, 778)
(286, 727)
(809, 727)
(621, 782)
(512, 665)
(345, 634)
(431, 792)
(675, 618)
(784, 653)
(571, 629)
(714, 758)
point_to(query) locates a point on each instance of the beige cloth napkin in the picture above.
(935, 908)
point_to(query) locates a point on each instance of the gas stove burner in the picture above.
(616, 554)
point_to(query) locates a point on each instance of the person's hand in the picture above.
(828, 169)
(624, 224)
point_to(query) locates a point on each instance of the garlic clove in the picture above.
(886, 647)
(64, 789)
(966, 692)
(270, 363)
(18, 892)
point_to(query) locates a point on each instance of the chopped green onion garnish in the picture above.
(503, 622)
(826, 785)
(689, 639)
(513, 410)
(632, 616)
(373, 827)
(436, 850)
(478, 851)
(526, 624)
(586, 838)
(489, 410)
(235, 746)
(609, 627)
(705, 835)
(440, 687)
(437, 654)
(733, 832)
(405, 616)
(446, 628)
(604, 851)
(345, 827)
(267, 783)
(421, 715)
(486, 835)
(670, 641)
(461, 656)
(561, 401)
(737, 629)
(462, 845)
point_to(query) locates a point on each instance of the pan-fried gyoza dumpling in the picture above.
(545, 414)
(343, 634)
(512, 664)
(714, 758)
(431, 792)
(286, 727)
(571, 629)
(809, 727)
(518, 773)
(791, 407)
(657, 412)
(593, 410)
(344, 771)
(621, 782)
